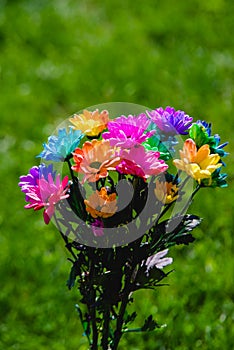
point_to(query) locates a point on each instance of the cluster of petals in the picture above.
(90, 123)
(158, 260)
(171, 121)
(45, 194)
(101, 204)
(95, 159)
(199, 164)
(35, 173)
(137, 161)
(128, 131)
(166, 192)
(61, 146)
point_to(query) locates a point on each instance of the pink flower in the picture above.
(137, 161)
(128, 131)
(45, 194)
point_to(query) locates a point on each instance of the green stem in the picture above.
(127, 289)
(170, 204)
(120, 321)
(78, 196)
(190, 199)
(82, 322)
(68, 246)
(92, 308)
(106, 331)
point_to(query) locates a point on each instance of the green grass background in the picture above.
(58, 57)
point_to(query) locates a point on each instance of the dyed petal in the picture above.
(95, 159)
(61, 146)
(158, 260)
(137, 161)
(199, 164)
(90, 123)
(171, 121)
(127, 132)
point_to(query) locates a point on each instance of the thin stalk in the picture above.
(106, 331)
(190, 200)
(69, 248)
(82, 322)
(170, 204)
(78, 198)
(120, 318)
(92, 308)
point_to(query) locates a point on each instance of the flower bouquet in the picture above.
(118, 188)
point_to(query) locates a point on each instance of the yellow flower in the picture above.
(166, 192)
(95, 159)
(199, 164)
(101, 204)
(90, 123)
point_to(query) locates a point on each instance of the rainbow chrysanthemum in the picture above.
(61, 146)
(127, 132)
(171, 121)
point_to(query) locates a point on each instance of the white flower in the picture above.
(158, 261)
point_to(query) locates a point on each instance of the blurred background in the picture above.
(58, 57)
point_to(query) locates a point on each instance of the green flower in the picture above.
(154, 144)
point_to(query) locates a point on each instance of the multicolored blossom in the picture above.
(45, 194)
(200, 133)
(101, 204)
(90, 123)
(197, 163)
(35, 173)
(171, 121)
(60, 147)
(95, 159)
(127, 132)
(137, 161)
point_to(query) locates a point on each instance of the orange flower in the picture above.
(199, 164)
(166, 192)
(101, 204)
(95, 159)
(90, 123)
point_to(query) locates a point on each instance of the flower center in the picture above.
(95, 165)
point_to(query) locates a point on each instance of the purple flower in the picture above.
(97, 228)
(171, 121)
(128, 131)
(35, 173)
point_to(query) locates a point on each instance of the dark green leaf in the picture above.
(198, 134)
(129, 318)
(185, 239)
(75, 271)
(148, 279)
(150, 325)
(169, 232)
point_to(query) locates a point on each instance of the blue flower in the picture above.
(60, 147)
(201, 133)
(204, 126)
